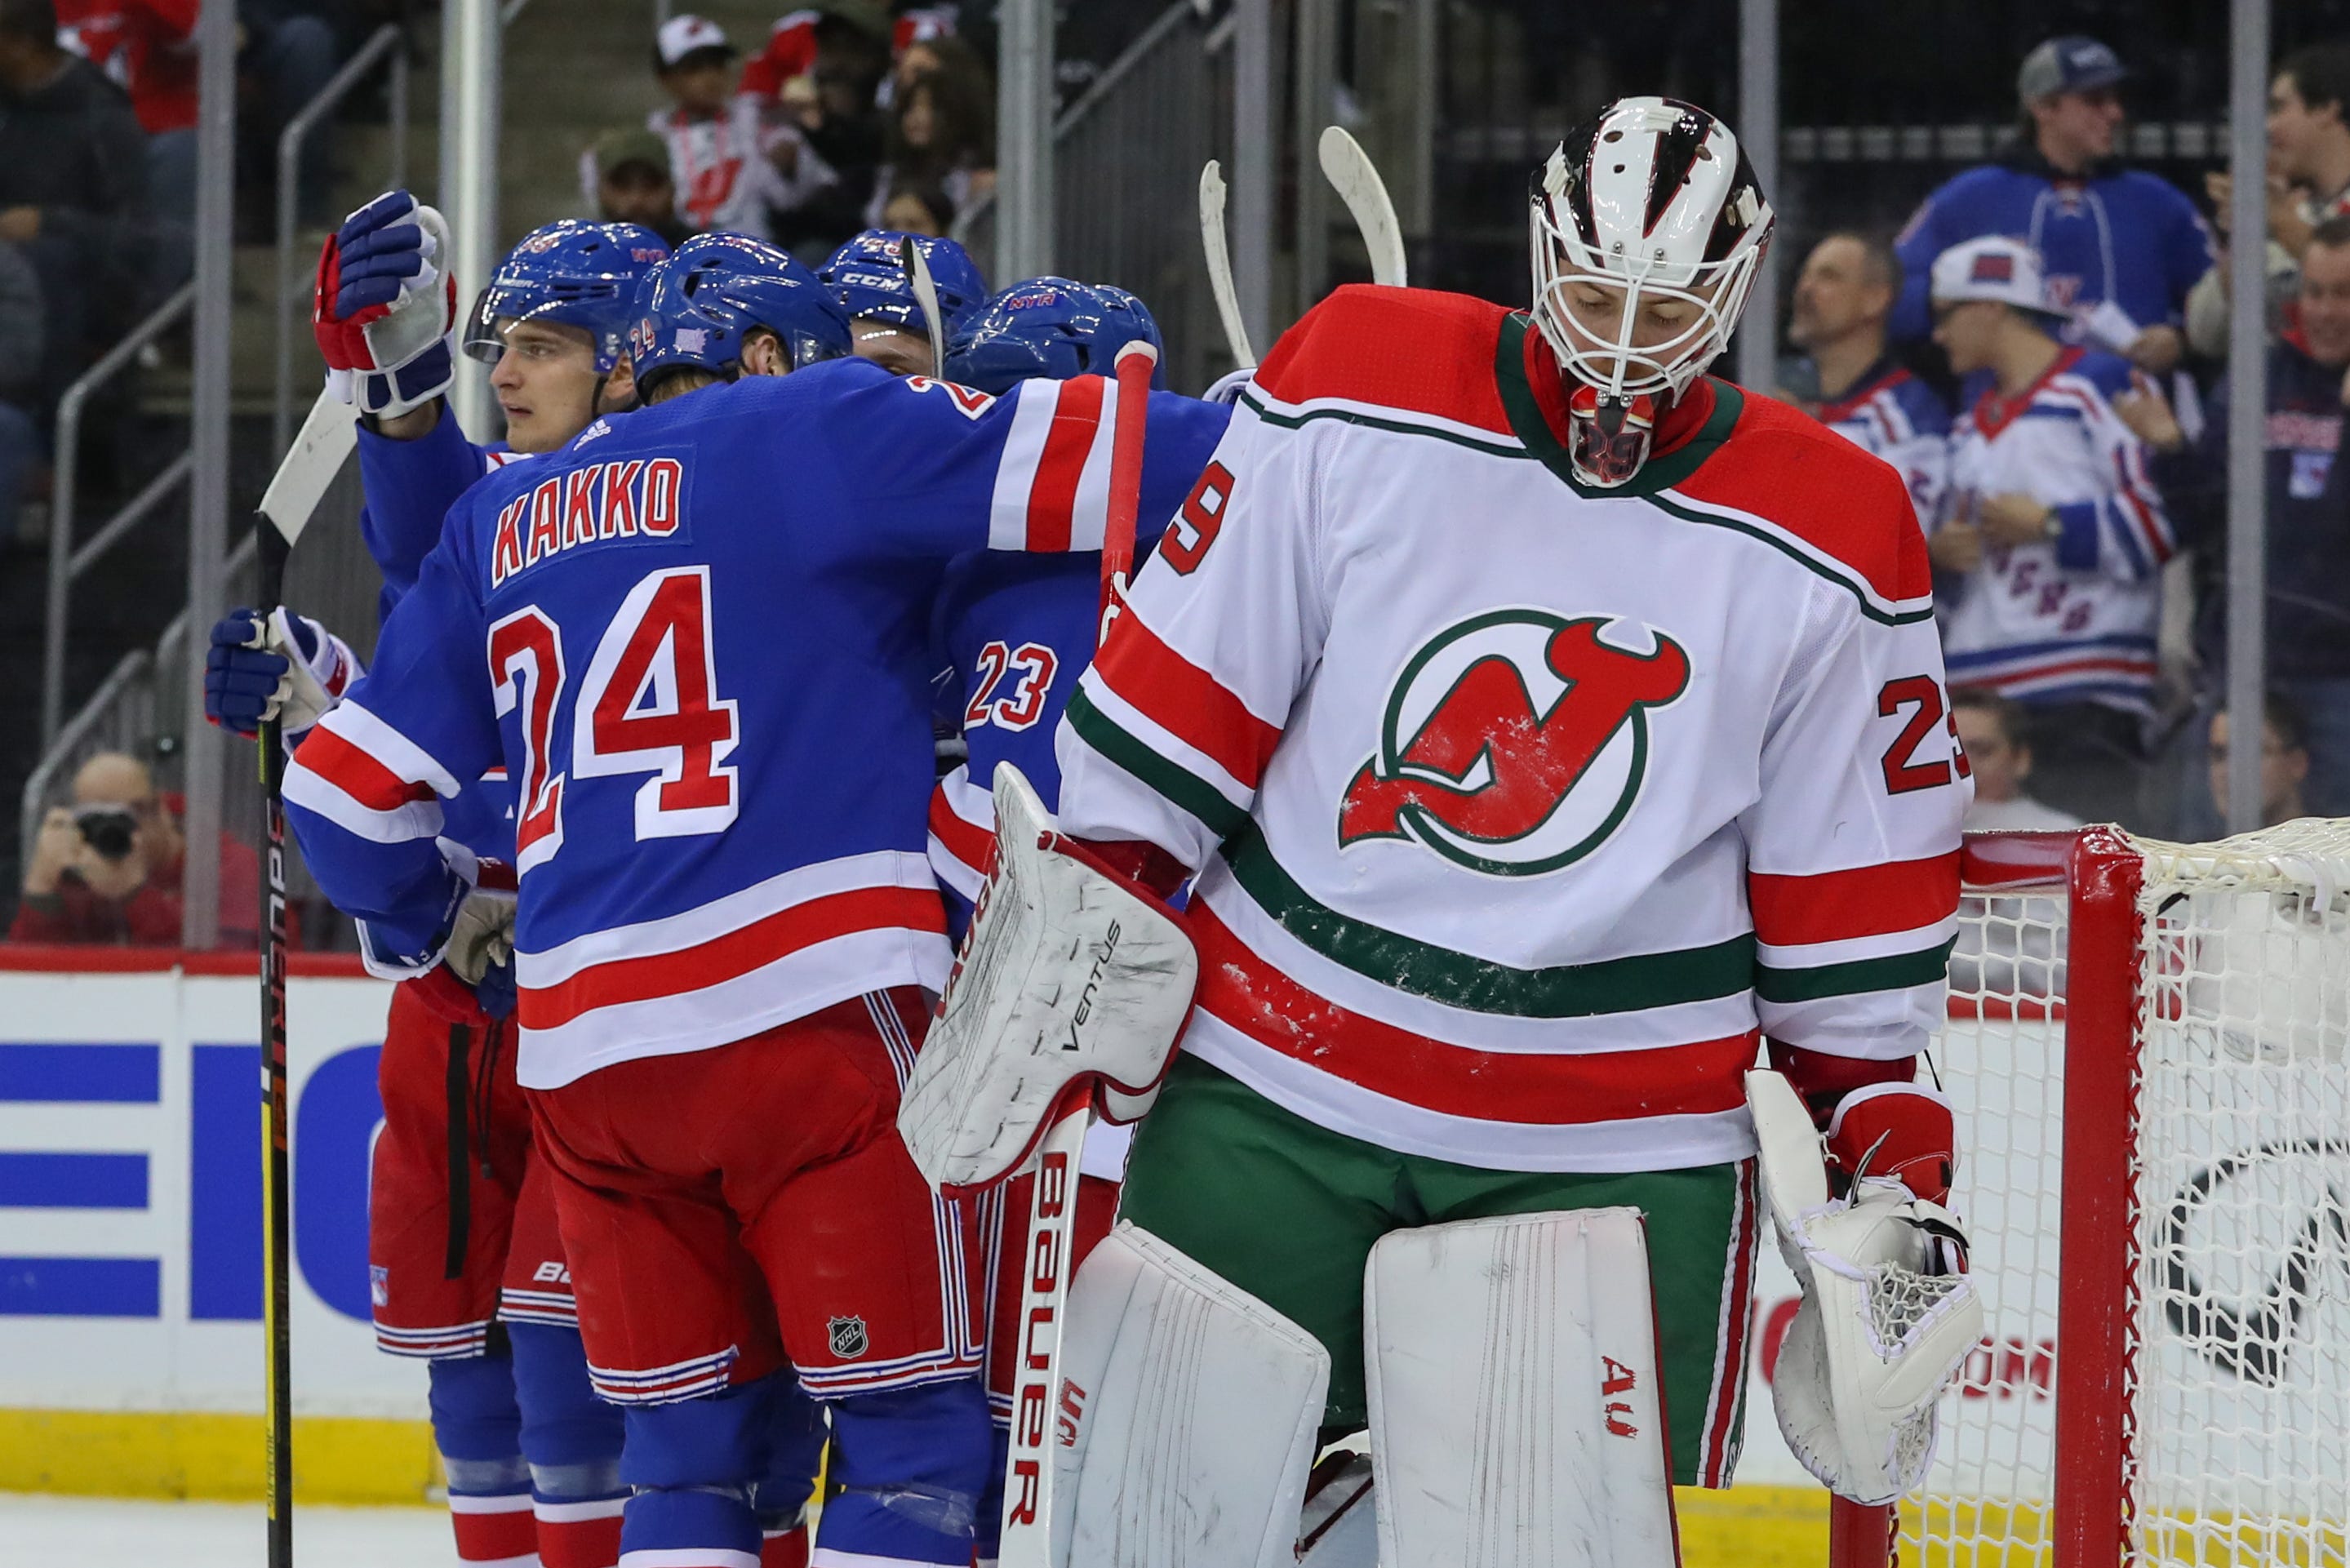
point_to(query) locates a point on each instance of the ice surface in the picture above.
(108, 1532)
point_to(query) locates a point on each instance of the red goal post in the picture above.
(2146, 1048)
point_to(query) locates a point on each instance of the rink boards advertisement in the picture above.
(130, 1273)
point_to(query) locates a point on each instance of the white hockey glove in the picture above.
(1068, 973)
(483, 935)
(1886, 1319)
(384, 307)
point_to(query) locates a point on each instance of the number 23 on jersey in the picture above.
(648, 703)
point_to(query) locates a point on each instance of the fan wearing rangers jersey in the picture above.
(2055, 528)
(696, 640)
(1552, 728)
(466, 1268)
(1842, 298)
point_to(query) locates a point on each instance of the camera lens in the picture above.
(109, 832)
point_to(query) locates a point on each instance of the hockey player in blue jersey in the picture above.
(869, 274)
(2121, 248)
(1017, 631)
(705, 628)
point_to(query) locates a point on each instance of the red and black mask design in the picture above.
(1609, 434)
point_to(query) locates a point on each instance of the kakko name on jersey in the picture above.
(1525, 809)
(2072, 619)
(697, 639)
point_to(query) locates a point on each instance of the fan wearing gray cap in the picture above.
(2121, 247)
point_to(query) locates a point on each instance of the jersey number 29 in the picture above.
(648, 704)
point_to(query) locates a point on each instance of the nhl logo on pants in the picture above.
(847, 1336)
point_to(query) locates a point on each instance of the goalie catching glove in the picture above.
(385, 306)
(1887, 1317)
(1072, 980)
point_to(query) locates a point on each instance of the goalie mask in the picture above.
(1647, 225)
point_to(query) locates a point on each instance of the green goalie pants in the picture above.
(1289, 1211)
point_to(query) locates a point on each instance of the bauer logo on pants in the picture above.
(847, 1336)
(1514, 742)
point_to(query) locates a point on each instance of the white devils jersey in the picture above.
(1524, 810)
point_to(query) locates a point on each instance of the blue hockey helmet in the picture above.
(571, 271)
(868, 274)
(1053, 327)
(701, 305)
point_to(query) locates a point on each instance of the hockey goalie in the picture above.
(1548, 731)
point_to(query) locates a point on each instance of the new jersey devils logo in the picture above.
(1514, 742)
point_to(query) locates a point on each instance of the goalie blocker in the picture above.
(1071, 982)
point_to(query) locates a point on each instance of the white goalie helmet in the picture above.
(1647, 225)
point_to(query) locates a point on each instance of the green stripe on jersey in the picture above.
(1867, 606)
(1897, 971)
(1372, 421)
(1480, 985)
(1184, 789)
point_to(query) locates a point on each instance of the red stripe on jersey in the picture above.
(1729, 1355)
(1184, 699)
(1413, 349)
(1866, 901)
(1846, 504)
(967, 842)
(1052, 495)
(737, 953)
(1243, 990)
(356, 772)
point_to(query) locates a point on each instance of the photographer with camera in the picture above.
(106, 869)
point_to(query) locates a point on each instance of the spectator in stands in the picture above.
(73, 186)
(289, 51)
(918, 210)
(2120, 247)
(20, 383)
(2308, 514)
(1843, 296)
(148, 48)
(626, 174)
(2052, 528)
(106, 868)
(942, 132)
(840, 55)
(1996, 735)
(2309, 182)
(2284, 762)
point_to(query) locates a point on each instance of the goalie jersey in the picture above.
(697, 639)
(1524, 810)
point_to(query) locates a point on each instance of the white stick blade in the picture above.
(1357, 179)
(325, 442)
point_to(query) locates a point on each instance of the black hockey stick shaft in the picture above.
(277, 1196)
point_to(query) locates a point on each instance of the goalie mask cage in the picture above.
(2146, 1055)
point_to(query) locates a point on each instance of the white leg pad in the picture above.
(1187, 1416)
(1517, 1414)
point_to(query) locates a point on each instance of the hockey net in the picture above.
(2146, 1055)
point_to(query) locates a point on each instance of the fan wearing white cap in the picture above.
(727, 164)
(1545, 729)
(2056, 525)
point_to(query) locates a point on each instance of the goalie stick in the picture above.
(1220, 264)
(1352, 174)
(1027, 1541)
(325, 442)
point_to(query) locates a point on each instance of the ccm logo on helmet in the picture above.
(604, 501)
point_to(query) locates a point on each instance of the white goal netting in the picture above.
(2233, 1393)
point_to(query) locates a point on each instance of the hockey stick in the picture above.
(926, 294)
(1220, 264)
(1027, 1541)
(327, 440)
(1352, 174)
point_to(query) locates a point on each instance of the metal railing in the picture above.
(386, 41)
(68, 561)
(1127, 157)
(118, 714)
